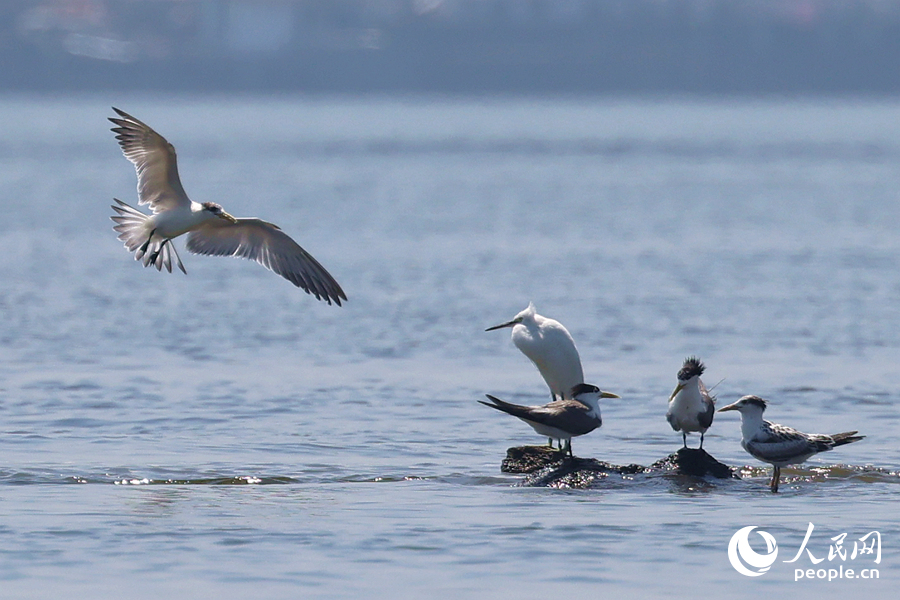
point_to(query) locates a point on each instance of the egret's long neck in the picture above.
(528, 331)
(751, 422)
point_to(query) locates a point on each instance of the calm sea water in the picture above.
(224, 435)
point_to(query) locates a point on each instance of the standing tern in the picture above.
(777, 444)
(550, 347)
(560, 419)
(691, 407)
(211, 230)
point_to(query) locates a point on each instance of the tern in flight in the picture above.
(211, 230)
(777, 444)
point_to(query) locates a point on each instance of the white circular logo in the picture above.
(740, 552)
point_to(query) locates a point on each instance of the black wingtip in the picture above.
(846, 437)
(498, 403)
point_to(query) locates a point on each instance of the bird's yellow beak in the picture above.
(729, 407)
(502, 325)
(608, 395)
(678, 388)
(227, 217)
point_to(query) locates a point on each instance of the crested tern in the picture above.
(691, 407)
(561, 419)
(780, 445)
(211, 230)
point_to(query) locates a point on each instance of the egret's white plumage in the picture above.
(210, 229)
(550, 347)
(561, 419)
(691, 407)
(780, 445)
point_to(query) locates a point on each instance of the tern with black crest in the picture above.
(561, 419)
(691, 407)
(777, 444)
(211, 230)
(550, 347)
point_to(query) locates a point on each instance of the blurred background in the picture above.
(667, 178)
(452, 46)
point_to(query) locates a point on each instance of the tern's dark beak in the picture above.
(729, 407)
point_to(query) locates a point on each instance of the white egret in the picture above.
(561, 419)
(550, 347)
(777, 444)
(691, 408)
(211, 230)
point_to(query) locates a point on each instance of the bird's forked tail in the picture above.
(135, 230)
(845, 438)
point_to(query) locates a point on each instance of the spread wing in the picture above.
(154, 160)
(269, 246)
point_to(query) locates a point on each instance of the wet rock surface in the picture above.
(547, 467)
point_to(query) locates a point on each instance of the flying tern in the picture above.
(210, 229)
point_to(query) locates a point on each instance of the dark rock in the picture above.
(527, 459)
(546, 467)
(696, 462)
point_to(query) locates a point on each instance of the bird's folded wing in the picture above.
(704, 392)
(154, 160)
(570, 415)
(705, 418)
(780, 449)
(269, 246)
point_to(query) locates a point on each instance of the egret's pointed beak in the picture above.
(732, 406)
(227, 217)
(609, 395)
(502, 325)
(678, 388)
